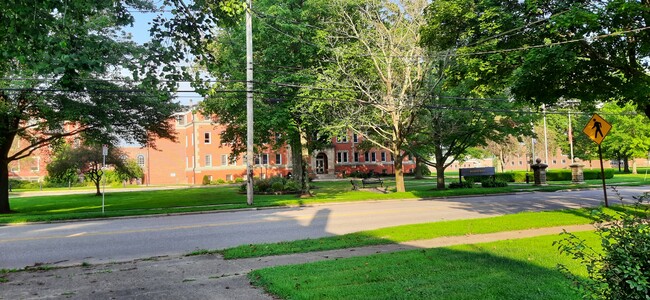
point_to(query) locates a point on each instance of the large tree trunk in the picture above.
(4, 187)
(418, 168)
(626, 164)
(304, 163)
(398, 162)
(634, 171)
(296, 159)
(440, 176)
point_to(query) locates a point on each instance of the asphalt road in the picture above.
(114, 240)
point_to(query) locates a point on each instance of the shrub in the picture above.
(292, 186)
(262, 185)
(461, 185)
(558, 175)
(595, 174)
(206, 179)
(513, 176)
(220, 181)
(493, 183)
(277, 187)
(622, 269)
(239, 180)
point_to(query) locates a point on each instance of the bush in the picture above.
(206, 179)
(461, 185)
(493, 183)
(239, 180)
(220, 181)
(513, 176)
(622, 269)
(277, 187)
(292, 186)
(558, 175)
(595, 174)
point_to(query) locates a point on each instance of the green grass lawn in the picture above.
(81, 206)
(390, 235)
(511, 269)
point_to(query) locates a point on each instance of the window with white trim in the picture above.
(278, 159)
(356, 156)
(355, 138)
(265, 159)
(207, 138)
(140, 160)
(342, 157)
(208, 160)
(228, 177)
(383, 156)
(224, 159)
(366, 156)
(342, 138)
(373, 156)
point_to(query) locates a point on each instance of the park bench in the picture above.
(372, 181)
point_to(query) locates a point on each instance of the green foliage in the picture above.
(514, 176)
(493, 183)
(466, 184)
(275, 184)
(206, 180)
(622, 269)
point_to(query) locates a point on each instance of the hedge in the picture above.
(552, 175)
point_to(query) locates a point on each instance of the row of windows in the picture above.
(342, 156)
(344, 138)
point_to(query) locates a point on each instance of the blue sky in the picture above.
(140, 34)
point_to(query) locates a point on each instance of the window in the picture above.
(512, 163)
(391, 157)
(228, 177)
(554, 161)
(224, 159)
(256, 160)
(356, 156)
(411, 157)
(37, 167)
(373, 156)
(207, 118)
(265, 159)
(383, 156)
(206, 138)
(278, 159)
(208, 160)
(342, 138)
(15, 168)
(140, 160)
(233, 161)
(342, 157)
(520, 163)
(366, 156)
(564, 161)
(180, 120)
(210, 178)
(355, 138)
(193, 161)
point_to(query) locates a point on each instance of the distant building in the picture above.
(199, 152)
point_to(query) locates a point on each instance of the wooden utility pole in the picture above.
(249, 103)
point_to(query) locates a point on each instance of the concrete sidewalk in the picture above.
(205, 276)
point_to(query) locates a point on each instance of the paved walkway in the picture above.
(202, 277)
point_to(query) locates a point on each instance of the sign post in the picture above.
(104, 154)
(596, 129)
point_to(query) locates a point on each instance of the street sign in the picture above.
(597, 128)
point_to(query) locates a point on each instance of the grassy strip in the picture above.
(88, 206)
(512, 269)
(391, 235)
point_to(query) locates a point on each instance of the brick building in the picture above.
(199, 152)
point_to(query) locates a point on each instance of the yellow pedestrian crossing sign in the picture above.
(597, 128)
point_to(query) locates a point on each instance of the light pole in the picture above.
(545, 136)
(249, 103)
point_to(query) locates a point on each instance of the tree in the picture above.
(287, 56)
(629, 137)
(62, 73)
(88, 160)
(377, 56)
(548, 51)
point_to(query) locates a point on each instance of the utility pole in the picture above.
(571, 137)
(249, 103)
(545, 136)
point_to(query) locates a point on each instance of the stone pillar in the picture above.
(539, 172)
(577, 173)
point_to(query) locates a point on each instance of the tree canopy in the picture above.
(67, 68)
